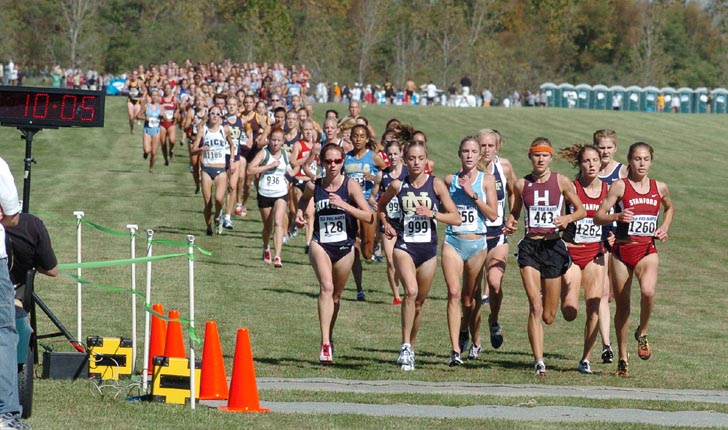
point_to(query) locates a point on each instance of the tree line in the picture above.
(501, 44)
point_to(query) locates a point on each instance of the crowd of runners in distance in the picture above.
(353, 192)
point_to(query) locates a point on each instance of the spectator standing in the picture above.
(675, 103)
(487, 97)
(466, 83)
(431, 90)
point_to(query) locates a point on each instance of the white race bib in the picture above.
(169, 114)
(332, 228)
(153, 121)
(416, 229)
(587, 231)
(543, 216)
(469, 218)
(643, 225)
(393, 211)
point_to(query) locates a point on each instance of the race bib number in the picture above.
(543, 216)
(393, 211)
(332, 228)
(272, 180)
(587, 231)
(643, 225)
(359, 178)
(153, 121)
(213, 156)
(416, 229)
(469, 218)
(133, 92)
(169, 114)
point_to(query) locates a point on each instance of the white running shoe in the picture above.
(584, 367)
(474, 352)
(540, 368)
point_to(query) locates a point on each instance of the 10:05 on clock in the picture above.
(51, 107)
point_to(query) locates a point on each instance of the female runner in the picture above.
(276, 172)
(362, 165)
(259, 124)
(150, 139)
(238, 132)
(609, 172)
(584, 241)
(168, 130)
(420, 198)
(396, 171)
(639, 198)
(300, 154)
(339, 204)
(491, 143)
(215, 144)
(465, 248)
(542, 255)
(136, 92)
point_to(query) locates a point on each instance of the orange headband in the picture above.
(541, 148)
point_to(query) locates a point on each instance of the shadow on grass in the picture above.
(289, 291)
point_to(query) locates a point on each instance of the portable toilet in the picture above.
(720, 100)
(700, 100)
(649, 99)
(632, 96)
(565, 92)
(669, 93)
(599, 96)
(583, 96)
(550, 89)
(616, 98)
(686, 99)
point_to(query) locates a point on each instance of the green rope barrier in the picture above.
(123, 262)
(194, 337)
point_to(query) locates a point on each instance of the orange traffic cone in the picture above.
(157, 336)
(175, 346)
(213, 380)
(243, 388)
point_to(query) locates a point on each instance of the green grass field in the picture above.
(101, 172)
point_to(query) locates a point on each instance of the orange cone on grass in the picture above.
(213, 380)
(175, 346)
(243, 387)
(158, 335)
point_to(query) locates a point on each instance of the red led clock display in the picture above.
(51, 107)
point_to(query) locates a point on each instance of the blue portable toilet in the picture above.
(550, 89)
(616, 98)
(700, 100)
(649, 99)
(583, 96)
(669, 93)
(720, 100)
(686, 99)
(565, 94)
(599, 96)
(632, 96)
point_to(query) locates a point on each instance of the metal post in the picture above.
(147, 306)
(132, 232)
(79, 304)
(191, 276)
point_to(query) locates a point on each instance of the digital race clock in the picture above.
(51, 107)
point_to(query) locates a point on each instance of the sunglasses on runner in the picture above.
(334, 161)
(215, 114)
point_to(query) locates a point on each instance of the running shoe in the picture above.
(540, 368)
(408, 361)
(584, 367)
(306, 248)
(397, 301)
(266, 256)
(484, 299)
(496, 335)
(607, 354)
(643, 346)
(293, 233)
(326, 356)
(463, 340)
(286, 238)
(209, 231)
(277, 262)
(227, 224)
(238, 209)
(12, 421)
(360, 296)
(474, 352)
(405, 354)
(622, 368)
(455, 359)
(146, 155)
